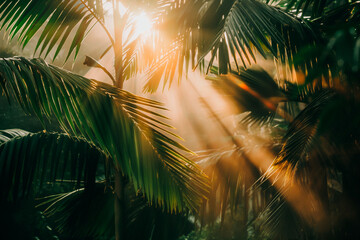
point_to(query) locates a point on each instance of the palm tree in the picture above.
(124, 127)
(55, 158)
(225, 37)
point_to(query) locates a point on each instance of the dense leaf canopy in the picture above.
(121, 124)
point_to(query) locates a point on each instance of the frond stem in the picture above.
(101, 23)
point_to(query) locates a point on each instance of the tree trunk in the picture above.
(119, 207)
(120, 183)
(118, 28)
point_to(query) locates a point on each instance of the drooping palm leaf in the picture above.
(279, 220)
(77, 214)
(80, 214)
(8, 134)
(134, 55)
(302, 134)
(56, 19)
(337, 54)
(233, 176)
(28, 161)
(121, 124)
(313, 8)
(253, 90)
(226, 170)
(229, 31)
(347, 15)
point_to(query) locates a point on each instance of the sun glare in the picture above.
(143, 24)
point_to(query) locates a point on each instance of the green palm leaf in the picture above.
(80, 214)
(345, 15)
(56, 19)
(229, 31)
(313, 8)
(77, 215)
(28, 161)
(8, 134)
(121, 124)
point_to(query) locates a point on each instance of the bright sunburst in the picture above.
(143, 24)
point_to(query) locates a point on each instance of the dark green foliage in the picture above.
(30, 160)
(69, 212)
(13, 116)
(57, 19)
(316, 120)
(314, 8)
(128, 131)
(83, 106)
(36, 161)
(22, 221)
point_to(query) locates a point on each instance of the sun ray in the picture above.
(143, 24)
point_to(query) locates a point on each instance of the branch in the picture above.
(101, 23)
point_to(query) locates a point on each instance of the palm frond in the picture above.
(56, 19)
(80, 214)
(302, 134)
(123, 125)
(232, 177)
(134, 56)
(254, 91)
(222, 167)
(339, 28)
(313, 8)
(77, 215)
(8, 134)
(346, 15)
(229, 31)
(279, 220)
(28, 161)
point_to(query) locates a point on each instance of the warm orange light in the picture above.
(143, 24)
